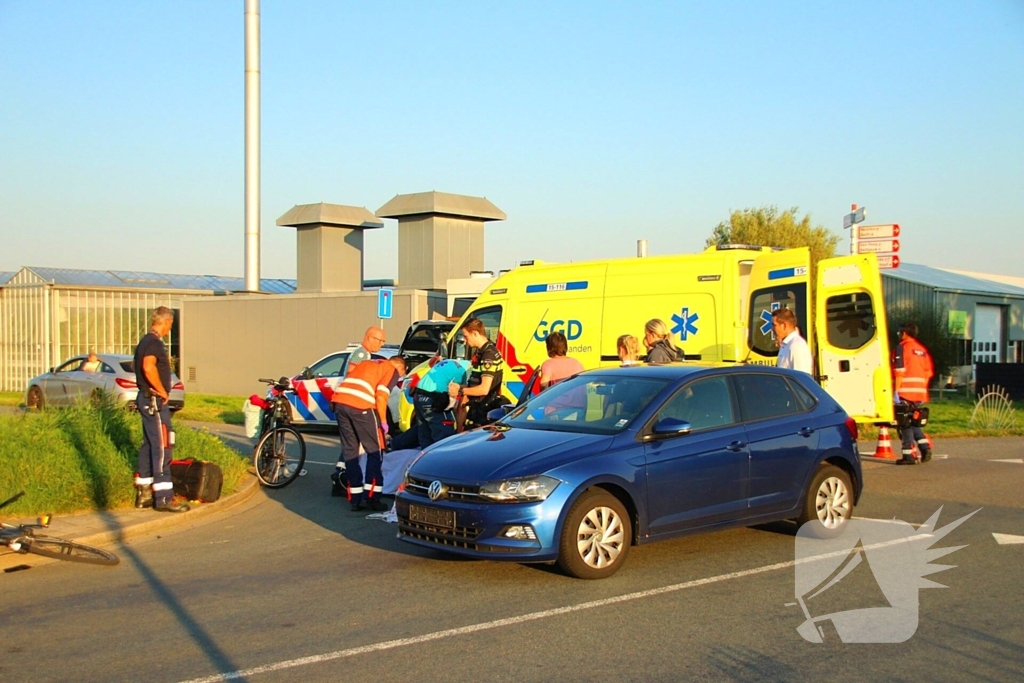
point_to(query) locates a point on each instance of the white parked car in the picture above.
(69, 383)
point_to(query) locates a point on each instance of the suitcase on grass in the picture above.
(197, 479)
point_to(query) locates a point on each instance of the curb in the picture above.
(247, 490)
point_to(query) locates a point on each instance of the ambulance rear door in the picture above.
(777, 280)
(851, 337)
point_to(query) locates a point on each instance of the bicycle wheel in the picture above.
(60, 549)
(280, 455)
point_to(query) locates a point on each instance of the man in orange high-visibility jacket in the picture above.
(360, 405)
(912, 365)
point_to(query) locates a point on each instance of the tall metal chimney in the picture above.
(252, 145)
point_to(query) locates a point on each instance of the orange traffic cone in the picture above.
(884, 449)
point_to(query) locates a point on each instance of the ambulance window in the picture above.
(490, 317)
(763, 302)
(850, 319)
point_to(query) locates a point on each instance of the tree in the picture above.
(932, 331)
(766, 227)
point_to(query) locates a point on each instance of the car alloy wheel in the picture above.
(35, 398)
(832, 503)
(596, 536)
(599, 537)
(828, 505)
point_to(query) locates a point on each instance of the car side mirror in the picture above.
(668, 427)
(499, 412)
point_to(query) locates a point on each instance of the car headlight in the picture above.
(519, 490)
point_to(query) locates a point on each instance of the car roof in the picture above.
(681, 370)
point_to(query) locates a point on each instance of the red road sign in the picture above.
(877, 246)
(888, 260)
(868, 232)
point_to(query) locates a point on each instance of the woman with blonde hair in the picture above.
(659, 348)
(629, 350)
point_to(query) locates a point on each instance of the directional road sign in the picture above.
(888, 261)
(870, 232)
(385, 303)
(877, 246)
(854, 217)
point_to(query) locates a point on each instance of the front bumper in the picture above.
(478, 527)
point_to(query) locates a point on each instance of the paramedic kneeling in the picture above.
(153, 375)
(361, 407)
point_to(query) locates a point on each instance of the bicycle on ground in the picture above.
(22, 538)
(280, 451)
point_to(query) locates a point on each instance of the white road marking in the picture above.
(1007, 539)
(1015, 461)
(512, 621)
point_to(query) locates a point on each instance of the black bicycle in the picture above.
(22, 538)
(281, 451)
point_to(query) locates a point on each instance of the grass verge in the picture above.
(84, 458)
(11, 398)
(950, 417)
(212, 408)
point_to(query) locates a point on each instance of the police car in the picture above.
(313, 388)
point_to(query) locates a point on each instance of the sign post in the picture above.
(849, 220)
(385, 304)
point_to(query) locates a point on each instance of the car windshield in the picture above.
(591, 404)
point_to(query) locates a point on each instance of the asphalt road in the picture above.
(293, 587)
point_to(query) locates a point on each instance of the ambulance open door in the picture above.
(777, 280)
(851, 337)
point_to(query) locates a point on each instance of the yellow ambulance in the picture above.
(717, 305)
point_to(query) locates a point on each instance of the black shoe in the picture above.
(171, 506)
(358, 507)
(925, 457)
(377, 505)
(906, 462)
(143, 496)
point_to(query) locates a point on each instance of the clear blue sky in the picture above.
(590, 124)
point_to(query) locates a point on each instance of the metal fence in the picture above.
(43, 324)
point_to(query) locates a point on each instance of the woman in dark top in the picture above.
(659, 348)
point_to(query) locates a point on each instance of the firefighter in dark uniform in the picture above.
(482, 392)
(153, 376)
(913, 369)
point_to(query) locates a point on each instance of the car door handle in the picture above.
(736, 446)
(805, 431)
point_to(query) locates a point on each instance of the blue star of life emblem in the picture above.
(684, 323)
(766, 316)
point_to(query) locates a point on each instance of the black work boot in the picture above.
(377, 505)
(171, 505)
(144, 496)
(358, 507)
(904, 461)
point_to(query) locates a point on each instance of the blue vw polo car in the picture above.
(618, 457)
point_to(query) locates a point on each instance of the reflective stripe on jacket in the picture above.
(367, 386)
(913, 367)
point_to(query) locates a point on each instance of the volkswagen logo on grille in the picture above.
(436, 490)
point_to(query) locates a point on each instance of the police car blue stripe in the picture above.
(781, 274)
(301, 407)
(323, 404)
(557, 287)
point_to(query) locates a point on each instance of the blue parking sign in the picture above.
(385, 301)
